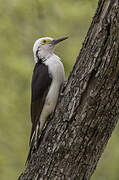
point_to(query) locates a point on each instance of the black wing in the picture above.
(41, 81)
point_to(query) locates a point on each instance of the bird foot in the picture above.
(63, 88)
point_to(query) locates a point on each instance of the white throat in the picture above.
(44, 54)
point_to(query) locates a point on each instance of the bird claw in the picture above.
(63, 88)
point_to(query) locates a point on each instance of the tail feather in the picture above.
(34, 139)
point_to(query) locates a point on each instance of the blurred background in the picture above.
(21, 23)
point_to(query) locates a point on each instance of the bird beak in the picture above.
(56, 41)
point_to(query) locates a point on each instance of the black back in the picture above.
(41, 81)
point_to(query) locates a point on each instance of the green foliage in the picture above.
(21, 23)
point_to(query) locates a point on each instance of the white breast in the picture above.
(56, 69)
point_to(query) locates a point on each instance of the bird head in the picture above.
(43, 47)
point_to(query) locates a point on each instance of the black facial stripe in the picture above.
(39, 59)
(37, 53)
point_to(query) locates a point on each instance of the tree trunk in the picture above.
(87, 113)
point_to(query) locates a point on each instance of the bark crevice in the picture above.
(87, 113)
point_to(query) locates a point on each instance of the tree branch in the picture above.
(86, 115)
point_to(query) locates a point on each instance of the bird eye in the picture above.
(45, 41)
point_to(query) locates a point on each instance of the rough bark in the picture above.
(86, 115)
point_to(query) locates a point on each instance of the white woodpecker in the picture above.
(48, 76)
